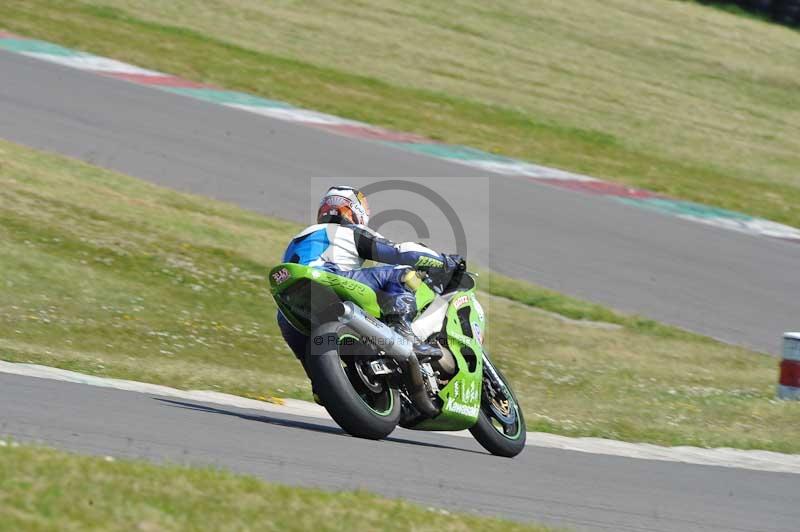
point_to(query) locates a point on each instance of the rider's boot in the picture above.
(308, 374)
(399, 313)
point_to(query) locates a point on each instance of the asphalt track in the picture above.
(735, 287)
(564, 488)
(732, 286)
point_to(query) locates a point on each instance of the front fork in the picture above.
(498, 394)
(490, 373)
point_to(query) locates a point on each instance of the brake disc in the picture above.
(501, 406)
(373, 386)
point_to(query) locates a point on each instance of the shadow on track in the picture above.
(297, 424)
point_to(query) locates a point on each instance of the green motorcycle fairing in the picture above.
(461, 397)
(285, 277)
(292, 287)
(424, 296)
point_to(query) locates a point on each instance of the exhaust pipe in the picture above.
(399, 348)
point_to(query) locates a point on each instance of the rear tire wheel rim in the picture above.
(381, 402)
(374, 386)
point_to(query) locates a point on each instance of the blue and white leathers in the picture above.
(345, 247)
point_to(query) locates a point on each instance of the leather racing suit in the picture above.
(343, 248)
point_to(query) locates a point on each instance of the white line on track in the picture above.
(93, 63)
(722, 457)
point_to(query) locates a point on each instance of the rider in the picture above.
(340, 242)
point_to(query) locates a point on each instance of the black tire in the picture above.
(490, 437)
(338, 394)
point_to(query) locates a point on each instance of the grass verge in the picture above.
(671, 96)
(109, 275)
(42, 489)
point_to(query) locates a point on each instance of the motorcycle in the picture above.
(369, 379)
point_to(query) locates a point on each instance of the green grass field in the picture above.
(108, 275)
(42, 490)
(672, 96)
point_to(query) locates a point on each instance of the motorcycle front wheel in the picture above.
(364, 406)
(501, 426)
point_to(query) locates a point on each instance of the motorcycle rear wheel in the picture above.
(368, 409)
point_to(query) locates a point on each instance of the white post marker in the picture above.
(789, 385)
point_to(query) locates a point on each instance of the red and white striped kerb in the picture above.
(789, 385)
